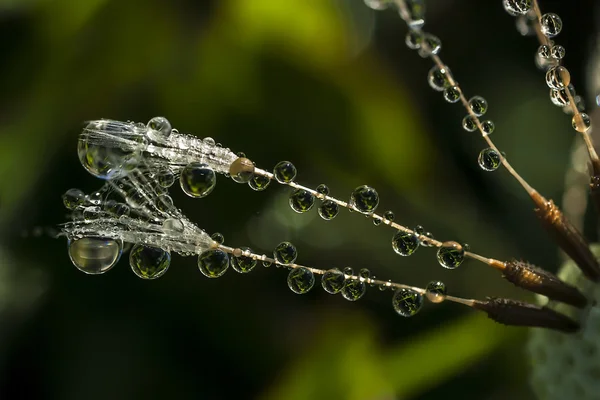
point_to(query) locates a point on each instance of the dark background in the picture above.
(329, 85)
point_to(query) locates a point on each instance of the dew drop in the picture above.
(353, 289)
(285, 253)
(544, 51)
(383, 287)
(407, 302)
(478, 105)
(160, 128)
(91, 213)
(558, 52)
(73, 198)
(301, 200)
(333, 281)
(197, 180)
(349, 271)
(559, 97)
(285, 172)
(328, 210)
(364, 273)
(517, 7)
(364, 199)
(323, 189)
(173, 226)
(377, 221)
(436, 291)
(218, 237)
(405, 243)
(213, 263)
(389, 215)
(489, 159)
(115, 208)
(259, 183)
(438, 78)
(581, 122)
(468, 124)
(558, 77)
(243, 264)
(426, 243)
(242, 170)
(166, 178)
(94, 255)
(266, 263)
(487, 127)
(413, 39)
(149, 262)
(300, 280)
(550, 25)
(450, 255)
(430, 45)
(452, 94)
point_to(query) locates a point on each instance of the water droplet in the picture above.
(354, 289)
(468, 124)
(558, 77)
(419, 229)
(405, 243)
(383, 287)
(149, 262)
(438, 78)
(415, 10)
(243, 264)
(450, 255)
(581, 122)
(426, 243)
(364, 199)
(333, 281)
(91, 213)
(487, 127)
(109, 149)
(413, 39)
(364, 273)
(407, 302)
(558, 52)
(218, 237)
(209, 141)
(285, 253)
(73, 198)
(94, 255)
(300, 280)
(478, 105)
(323, 189)
(452, 94)
(301, 200)
(377, 221)
(242, 170)
(165, 178)
(378, 5)
(349, 271)
(266, 263)
(389, 215)
(328, 210)
(517, 7)
(134, 199)
(429, 45)
(544, 51)
(164, 203)
(259, 183)
(285, 172)
(489, 159)
(160, 128)
(115, 208)
(96, 198)
(559, 97)
(197, 180)
(213, 263)
(173, 226)
(436, 291)
(550, 25)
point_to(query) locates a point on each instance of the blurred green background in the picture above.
(330, 86)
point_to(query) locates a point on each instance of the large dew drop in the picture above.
(364, 199)
(197, 180)
(405, 243)
(243, 264)
(213, 263)
(301, 200)
(354, 289)
(149, 262)
(450, 255)
(333, 281)
(94, 255)
(436, 291)
(285, 253)
(407, 302)
(285, 172)
(301, 280)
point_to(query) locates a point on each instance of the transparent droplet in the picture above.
(301, 200)
(478, 105)
(242, 170)
(452, 94)
(285, 172)
(438, 78)
(134, 199)
(159, 128)
(558, 77)
(405, 243)
(450, 255)
(173, 226)
(165, 178)
(110, 149)
(489, 159)
(413, 39)
(164, 203)
(328, 210)
(300, 280)
(558, 52)
(354, 289)
(285, 253)
(218, 237)
(115, 208)
(377, 221)
(243, 264)
(389, 215)
(91, 213)
(323, 189)
(333, 281)
(197, 180)
(364, 273)
(517, 7)
(266, 263)
(73, 198)
(544, 51)
(378, 5)
(581, 122)
(259, 183)
(149, 262)
(550, 25)
(468, 124)
(213, 263)
(349, 271)
(426, 243)
(559, 97)
(94, 255)
(407, 302)
(429, 45)
(415, 13)
(436, 291)
(372, 281)
(364, 199)
(487, 127)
